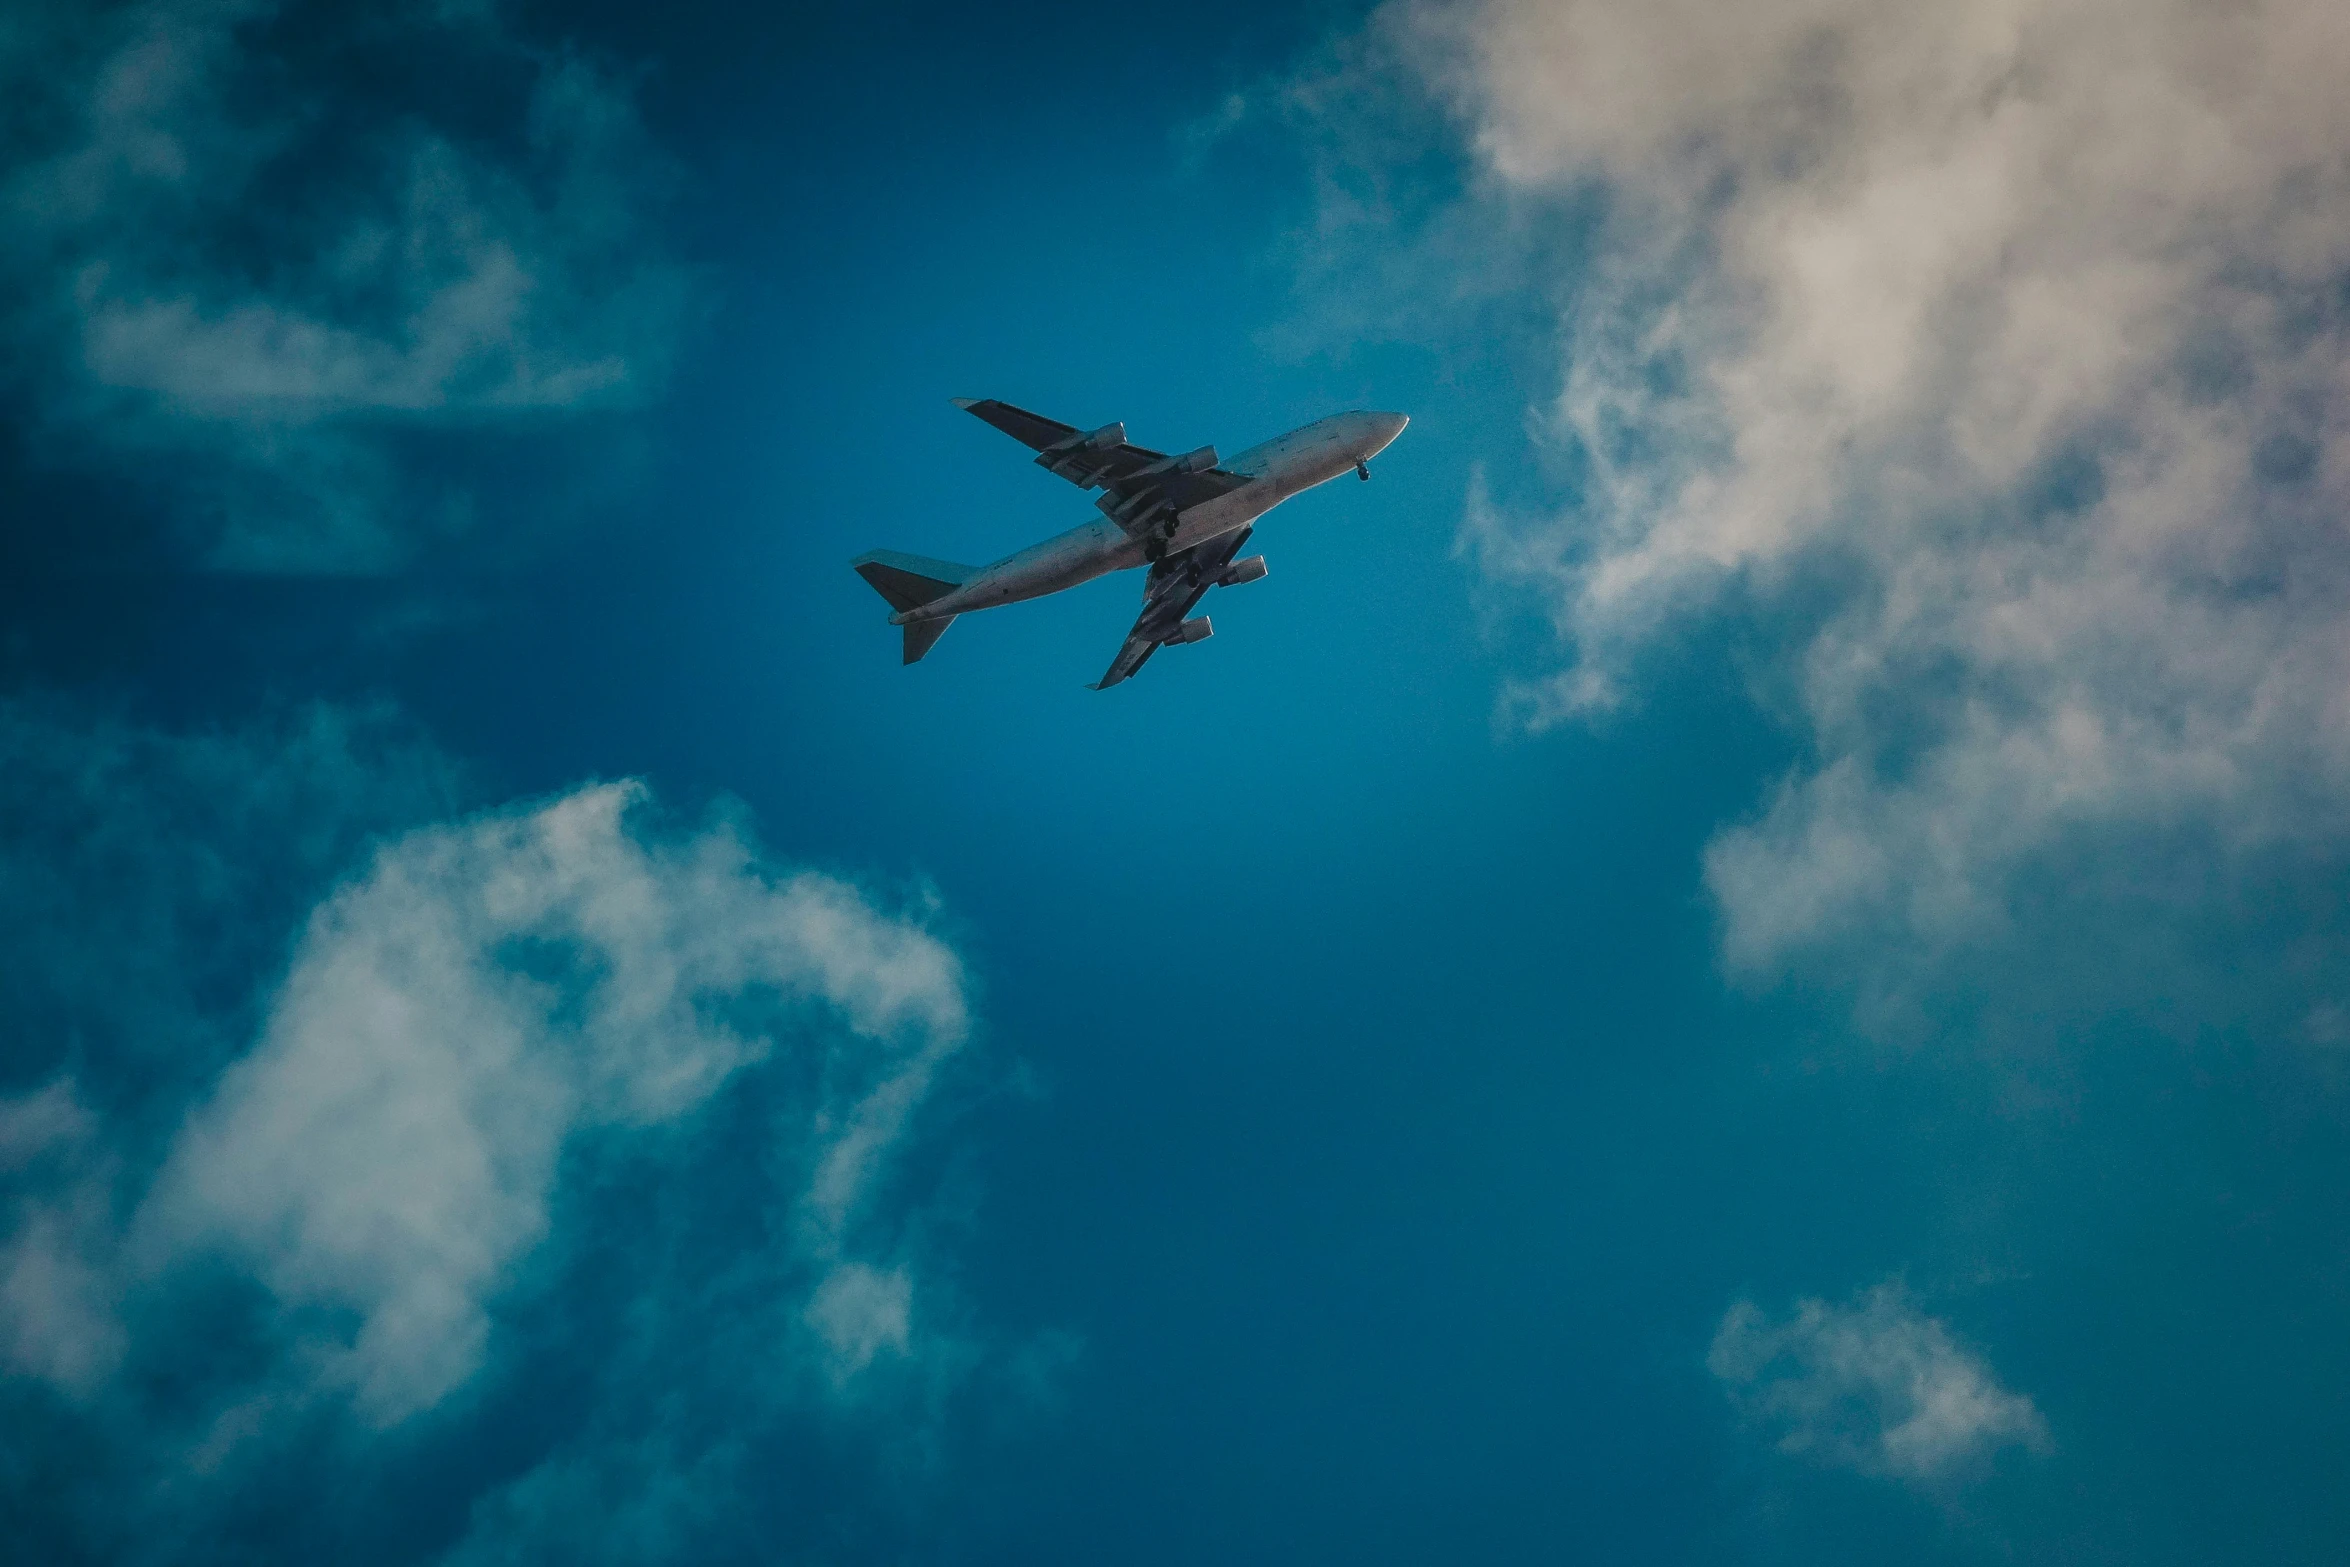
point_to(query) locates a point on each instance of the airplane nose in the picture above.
(1383, 429)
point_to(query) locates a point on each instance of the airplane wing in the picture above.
(1176, 583)
(1142, 491)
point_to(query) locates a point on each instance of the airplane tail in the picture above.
(922, 635)
(910, 581)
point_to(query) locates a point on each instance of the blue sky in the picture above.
(1739, 959)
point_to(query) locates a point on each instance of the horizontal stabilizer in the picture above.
(910, 581)
(923, 635)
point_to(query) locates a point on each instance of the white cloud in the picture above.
(294, 1161)
(859, 1311)
(223, 260)
(387, 1156)
(1996, 353)
(57, 1318)
(1875, 1386)
(42, 1123)
(56, 1303)
(480, 996)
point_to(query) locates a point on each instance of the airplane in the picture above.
(1185, 516)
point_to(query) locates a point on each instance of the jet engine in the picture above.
(1241, 571)
(1183, 462)
(1197, 629)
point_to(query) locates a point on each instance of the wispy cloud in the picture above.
(1992, 359)
(478, 998)
(1875, 1386)
(559, 1068)
(226, 256)
(56, 1320)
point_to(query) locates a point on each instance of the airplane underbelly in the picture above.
(1078, 556)
(1213, 519)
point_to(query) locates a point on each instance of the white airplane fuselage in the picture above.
(1278, 469)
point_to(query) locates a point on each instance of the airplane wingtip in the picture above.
(965, 403)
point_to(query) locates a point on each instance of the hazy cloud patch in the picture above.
(230, 257)
(1875, 1386)
(57, 1319)
(859, 1312)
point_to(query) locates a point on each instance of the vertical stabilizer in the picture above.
(923, 635)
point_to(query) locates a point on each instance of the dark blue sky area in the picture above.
(1362, 1145)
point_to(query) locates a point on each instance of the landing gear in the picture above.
(1362, 470)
